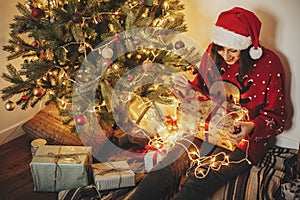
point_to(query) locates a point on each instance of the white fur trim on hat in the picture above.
(226, 38)
(255, 53)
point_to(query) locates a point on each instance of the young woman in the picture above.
(235, 57)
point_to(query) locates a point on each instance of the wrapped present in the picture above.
(149, 117)
(120, 138)
(209, 117)
(140, 111)
(56, 168)
(113, 175)
(151, 158)
(213, 121)
(219, 123)
(213, 118)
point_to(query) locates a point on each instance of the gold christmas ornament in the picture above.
(139, 56)
(38, 91)
(9, 105)
(146, 13)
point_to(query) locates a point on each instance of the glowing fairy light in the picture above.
(202, 165)
(95, 20)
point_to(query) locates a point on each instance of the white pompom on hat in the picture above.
(238, 28)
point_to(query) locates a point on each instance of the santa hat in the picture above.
(238, 29)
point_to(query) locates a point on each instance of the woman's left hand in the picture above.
(245, 127)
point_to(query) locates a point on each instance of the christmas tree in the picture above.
(96, 58)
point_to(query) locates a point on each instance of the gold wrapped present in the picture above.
(150, 117)
(56, 168)
(113, 175)
(209, 117)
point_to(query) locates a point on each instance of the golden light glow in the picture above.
(202, 164)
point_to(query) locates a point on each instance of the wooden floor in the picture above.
(15, 176)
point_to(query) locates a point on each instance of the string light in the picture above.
(202, 165)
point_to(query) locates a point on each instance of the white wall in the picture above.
(10, 122)
(279, 32)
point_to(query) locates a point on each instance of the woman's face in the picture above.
(230, 56)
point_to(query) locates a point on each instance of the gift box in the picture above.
(220, 122)
(151, 158)
(212, 119)
(55, 168)
(113, 175)
(207, 117)
(120, 138)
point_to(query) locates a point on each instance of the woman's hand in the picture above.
(245, 129)
(181, 83)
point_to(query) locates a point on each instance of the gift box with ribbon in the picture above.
(213, 117)
(55, 168)
(219, 123)
(113, 175)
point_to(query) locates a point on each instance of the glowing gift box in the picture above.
(212, 118)
(207, 117)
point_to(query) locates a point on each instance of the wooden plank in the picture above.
(15, 177)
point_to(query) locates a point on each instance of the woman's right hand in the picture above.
(181, 83)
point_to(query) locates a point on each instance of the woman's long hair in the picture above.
(245, 60)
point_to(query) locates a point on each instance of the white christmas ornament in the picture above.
(107, 53)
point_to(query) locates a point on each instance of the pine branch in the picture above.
(13, 76)
(22, 9)
(116, 23)
(35, 70)
(12, 90)
(77, 32)
(64, 17)
(55, 33)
